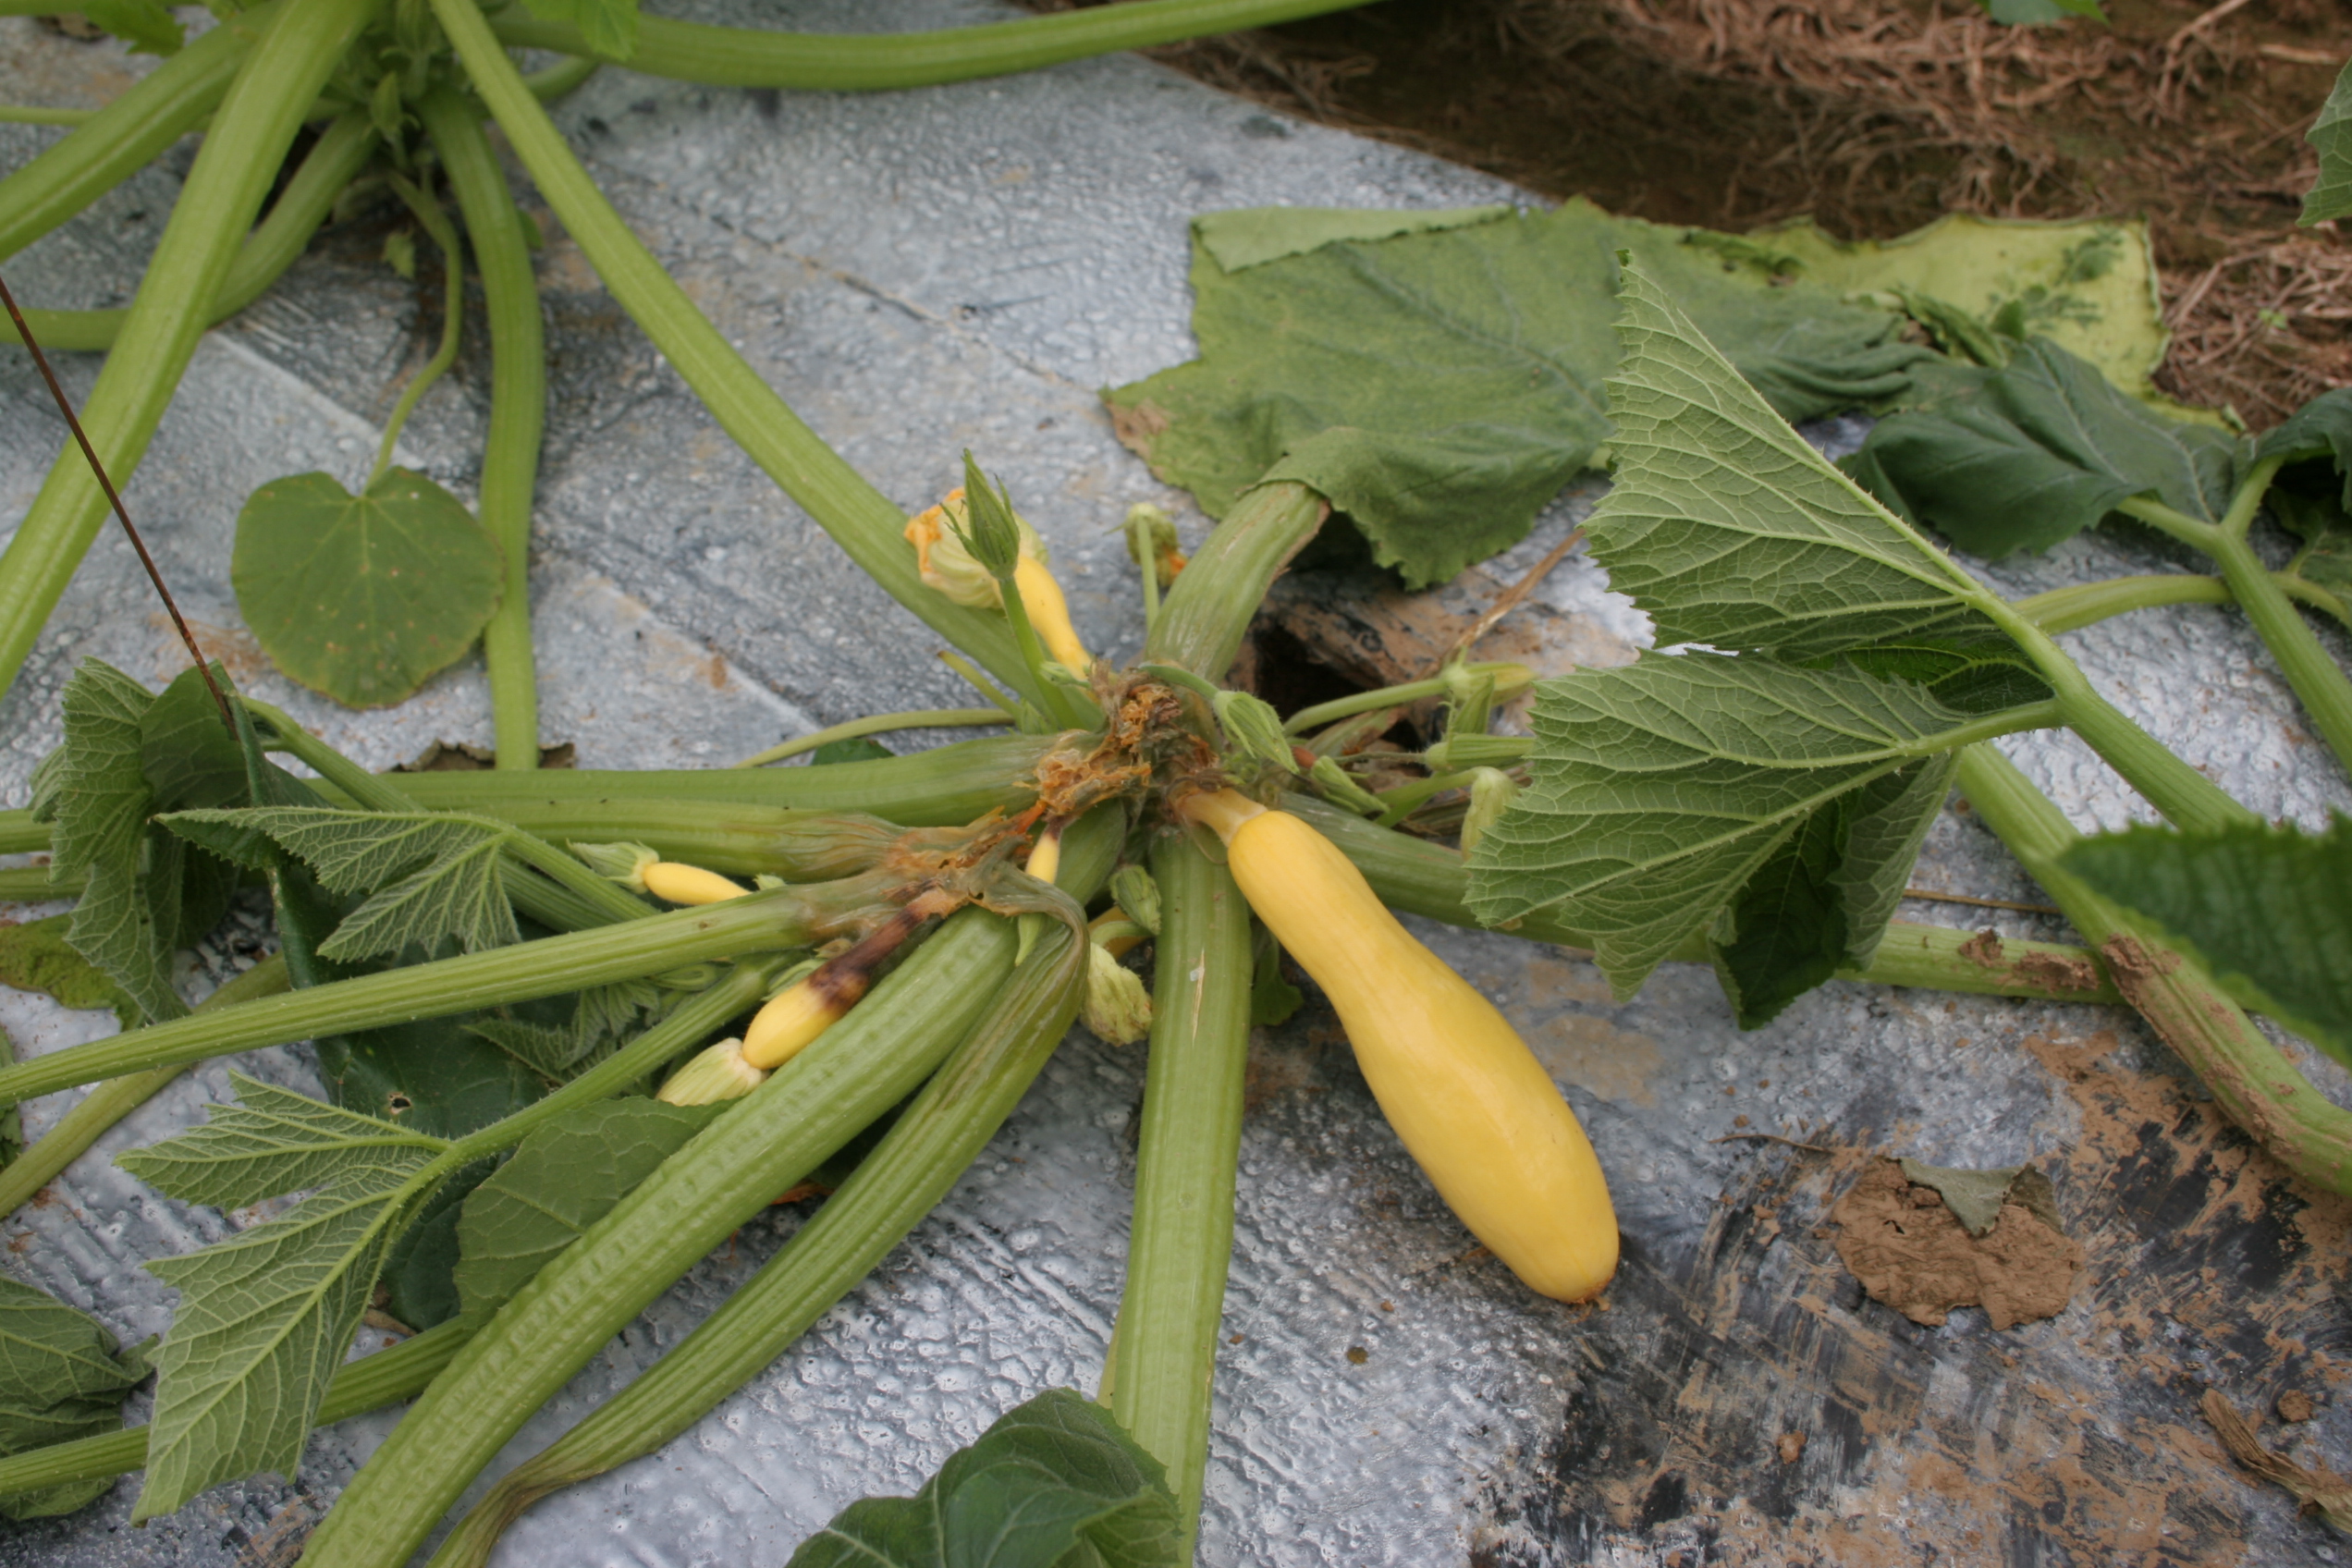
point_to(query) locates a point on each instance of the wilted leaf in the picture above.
(61, 1377)
(2042, 449)
(2268, 911)
(1975, 1196)
(2089, 287)
(562, 1180)
(2330, 135)
(1049, 1480)
(364, 597)
(1440, 387)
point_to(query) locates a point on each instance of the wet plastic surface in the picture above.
(917, 273)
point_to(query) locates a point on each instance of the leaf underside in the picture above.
(1049, 1479)
(2223, 894)
(61, 1377)
(265, 1317)
(1775, 805)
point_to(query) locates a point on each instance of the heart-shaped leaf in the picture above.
(364, 597)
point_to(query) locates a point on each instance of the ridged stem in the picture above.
(861, 519)
(102, 1107)
(757, 922)
(728, 56)
(122, 137)
(1163, 1354)
(2255, 1086)
(1209, 606)
(518, 410)
(274, 84)
(903, 1179)
(340, 153)
(772, 1138)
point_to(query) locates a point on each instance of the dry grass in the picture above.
(1874, 116)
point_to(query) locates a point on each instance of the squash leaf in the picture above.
(364, 597)
(1049, 1480)
(2040, 450)
(2330, 136)
(1439, 386)
(61, 1377)
(563, 1178)
(2222, 895)
(1772, 804)
(265, 1317)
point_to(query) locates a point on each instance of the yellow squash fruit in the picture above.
(1470, 1102)
(677, 883)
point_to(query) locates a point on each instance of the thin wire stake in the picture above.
(203, 670)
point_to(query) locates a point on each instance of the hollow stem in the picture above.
(1510, 678)
(878, 723)
(926, 1151)
(275, 82)
(30, 885)
(858, 516)
(1207, 610)
(757, 922)
(2254, 1085)
(125, 135)
(102, 1107)
(770, 1139)
(340, 153)
(726, 56)
(518, 410)
(1163, 1353)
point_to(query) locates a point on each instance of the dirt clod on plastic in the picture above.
(1910, 1251)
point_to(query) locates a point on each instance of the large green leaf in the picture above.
(2268, 911)
(2330, 135)
(61, 1377)
(1660, 788)
(2041, 450)
(1054, 1481)
(265, 1317)
(1440, 386)
(364, 597)
(562, 1180)
(1731, 531)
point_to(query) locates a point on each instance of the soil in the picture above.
(1875, 117)
(1912, 1253)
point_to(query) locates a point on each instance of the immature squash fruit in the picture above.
(1469, 1100)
